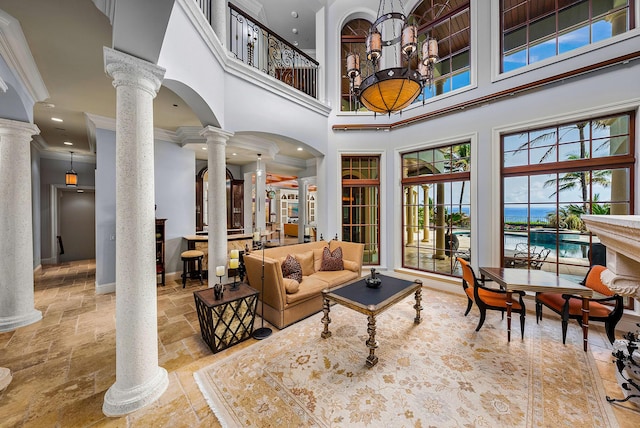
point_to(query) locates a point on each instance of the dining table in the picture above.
(539, 281)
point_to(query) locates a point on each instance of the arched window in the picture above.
(352, 39)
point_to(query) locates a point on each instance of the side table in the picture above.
(227, 321)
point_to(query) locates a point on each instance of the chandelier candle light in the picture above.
(392, 89)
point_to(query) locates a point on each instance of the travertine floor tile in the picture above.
(63, 365)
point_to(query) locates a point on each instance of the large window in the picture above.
(449, 25)
(533, 30)
(436, 208)
(551, 177)
(360, 204)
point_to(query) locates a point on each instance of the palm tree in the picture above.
(460, 163)
(572, 179)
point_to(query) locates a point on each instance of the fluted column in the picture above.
(16, 245)
(139, 379)
(217, 206)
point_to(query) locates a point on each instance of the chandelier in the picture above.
(391, 89)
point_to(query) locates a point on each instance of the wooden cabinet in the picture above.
(160, 268)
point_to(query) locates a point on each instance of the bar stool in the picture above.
(191, 256)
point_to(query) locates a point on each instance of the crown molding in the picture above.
(16, 53)
(95, 121)
(108, 7)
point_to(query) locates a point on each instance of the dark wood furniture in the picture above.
(235, 201)
(513, 279)
(227, 321)
(488, 298)
(608, 309)
(160, 237)
(371, 302)
(189, 259)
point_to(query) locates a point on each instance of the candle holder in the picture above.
(218, 289)
(234, 263)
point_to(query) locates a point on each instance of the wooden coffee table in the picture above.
(371, 302)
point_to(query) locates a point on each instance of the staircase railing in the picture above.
(260, 48)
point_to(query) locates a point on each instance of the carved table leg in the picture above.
(418, 306)
(509, 303)
(372, 360)
(325, 319)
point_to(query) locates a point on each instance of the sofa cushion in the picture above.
(336, 277)
(317, 258)
(310, 287)
(291, 268)
(351, 265)
(306, 262)
(332, 260)
(291, 285)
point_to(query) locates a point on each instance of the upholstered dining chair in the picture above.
(570, 307)
(488, 298)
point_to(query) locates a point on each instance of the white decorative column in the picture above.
(139, 379)
(302, 208)
(217, 206)
(219, 20)
(16, 245)
(261, 195)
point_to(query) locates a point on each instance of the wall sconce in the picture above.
(71, 177)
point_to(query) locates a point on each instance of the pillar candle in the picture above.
(219, 270)
(234, 254)
(233, 264)
(256, 236)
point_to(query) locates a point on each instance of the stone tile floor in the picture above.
(63, 365)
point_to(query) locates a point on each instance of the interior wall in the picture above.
(77, 221)
(52, 172)
(175, 199)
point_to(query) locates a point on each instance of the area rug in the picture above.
(439, 373)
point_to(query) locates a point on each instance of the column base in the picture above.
(121, 402)
(12, 323)
(5, 377)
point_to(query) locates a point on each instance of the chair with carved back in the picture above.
(608, 309)
(489, 298)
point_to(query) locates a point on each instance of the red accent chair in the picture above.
(570, 307)
(488, 298)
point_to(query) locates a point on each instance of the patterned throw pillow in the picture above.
(291, 268)
(332, 260)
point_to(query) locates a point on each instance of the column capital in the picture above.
(216, 135)
(17, 128)
(127, 70)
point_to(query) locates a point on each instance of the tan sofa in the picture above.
(283, 308)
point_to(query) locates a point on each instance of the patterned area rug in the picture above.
(438, 373)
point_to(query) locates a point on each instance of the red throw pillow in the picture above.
(291, 268)
(332, 260)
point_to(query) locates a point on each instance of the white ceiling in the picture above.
(66, 39)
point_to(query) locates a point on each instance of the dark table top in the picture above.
(229, 295)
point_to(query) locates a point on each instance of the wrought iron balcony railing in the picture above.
(258, 47)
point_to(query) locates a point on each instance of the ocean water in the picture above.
(519, 213)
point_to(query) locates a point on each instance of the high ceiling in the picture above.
(66, 39)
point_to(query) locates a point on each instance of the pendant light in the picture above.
(71, 177)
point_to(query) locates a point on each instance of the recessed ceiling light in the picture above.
(68, 143)
(295, 43)
(56, 119)
(300, 149)
(48, 105)
(234, 154)
(294, 30)
(294, 14)
(204, 148)
(80, 191)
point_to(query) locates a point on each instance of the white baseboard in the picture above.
(105, 288)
